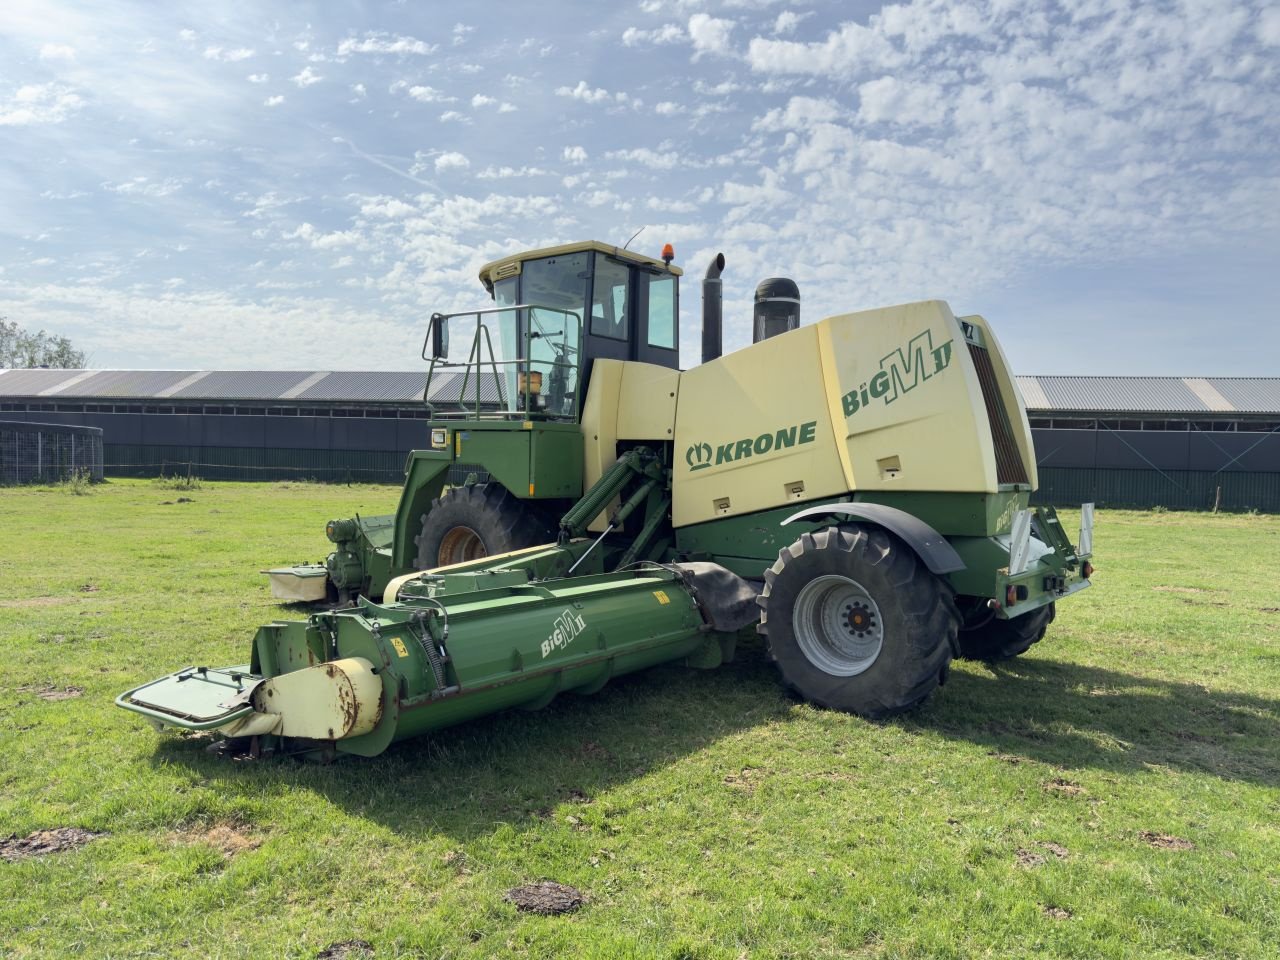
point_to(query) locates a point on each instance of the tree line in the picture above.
(21, 349)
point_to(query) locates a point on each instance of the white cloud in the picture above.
(452, 161)
(788, 20)
(388, 207)
(504, 173)
(505, 107)
(358, 91)
(460, 33)
(1268, 27)
(145, 187)
(425, 94)
(901, 102)
(227, 56)
(575, 154)
(306, 78)
(453, 116)
(666, 108)
(39, 103)
(481, 100)
(709, 34)
(258, 77)
(666, 160)
(852, 47)
(273, 101)
(584, 93)
(384, 43)
(57, 51)
(667, 33)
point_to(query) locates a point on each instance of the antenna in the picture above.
(633, 236)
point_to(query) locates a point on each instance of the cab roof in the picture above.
(510, 266)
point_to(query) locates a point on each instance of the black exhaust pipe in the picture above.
(712, 311)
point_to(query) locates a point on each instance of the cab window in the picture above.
(662, 312)
(609, 302)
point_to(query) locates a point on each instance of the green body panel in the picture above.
(749, 544)
(535, 459)
(425, 475)
(515, 644)
(195, 698)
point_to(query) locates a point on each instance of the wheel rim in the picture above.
(460, 545)
(838, 625)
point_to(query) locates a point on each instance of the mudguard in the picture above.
(931, 546)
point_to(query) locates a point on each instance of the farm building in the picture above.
(1132, 441)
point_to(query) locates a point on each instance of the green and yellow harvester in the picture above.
(856, 488)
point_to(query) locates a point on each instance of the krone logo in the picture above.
(698, 456)
(900, 372)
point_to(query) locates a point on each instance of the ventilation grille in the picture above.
(1009, 468)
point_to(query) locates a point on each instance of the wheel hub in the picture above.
(838, 625)
(460, 545)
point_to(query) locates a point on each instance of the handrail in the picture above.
(475, 358)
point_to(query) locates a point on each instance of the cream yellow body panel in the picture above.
(600, 426)
(754, 431)
(906, 401)
(647, 402)
(328, 701)
(1011, 397)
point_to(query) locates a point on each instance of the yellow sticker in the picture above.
(399, 645)
(662, 597)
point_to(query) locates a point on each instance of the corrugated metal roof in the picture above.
(1145, 395)
(369, 385)
(1157, 395)
(1250, 394)
(31, 383)
(243, 385)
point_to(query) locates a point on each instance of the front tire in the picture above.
(998, 640)
(468, 523)
(856, 622)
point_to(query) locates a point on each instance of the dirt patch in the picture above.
(546, 897)
(1055, 913)
(1065, 788)
(1184, 590)
(228, 838)
(747, 780)
(1269, 609)
(1056, 849)
(1165, 841)
(53, 693)
(346, 950)
(44, 842)
(1028, 859)
(1012, 758)
(594, 751)
(88, 588)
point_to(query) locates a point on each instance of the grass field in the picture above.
(1114, 793)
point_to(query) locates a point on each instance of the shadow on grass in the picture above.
(1079, 716)
(515, 767)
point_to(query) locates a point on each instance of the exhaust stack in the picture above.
(712, 310)
(777, 308)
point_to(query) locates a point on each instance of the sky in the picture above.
(300, 185)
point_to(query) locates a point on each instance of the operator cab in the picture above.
(558, 310)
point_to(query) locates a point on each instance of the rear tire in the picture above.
(856, 622)
(468, 523)
(999, 640)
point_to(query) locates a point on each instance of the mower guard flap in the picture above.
(195, 698)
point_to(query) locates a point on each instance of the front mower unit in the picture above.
(453, 648)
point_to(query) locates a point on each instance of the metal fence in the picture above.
(48, 452)
(1175, 489)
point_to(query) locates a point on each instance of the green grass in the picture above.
(704, 814)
